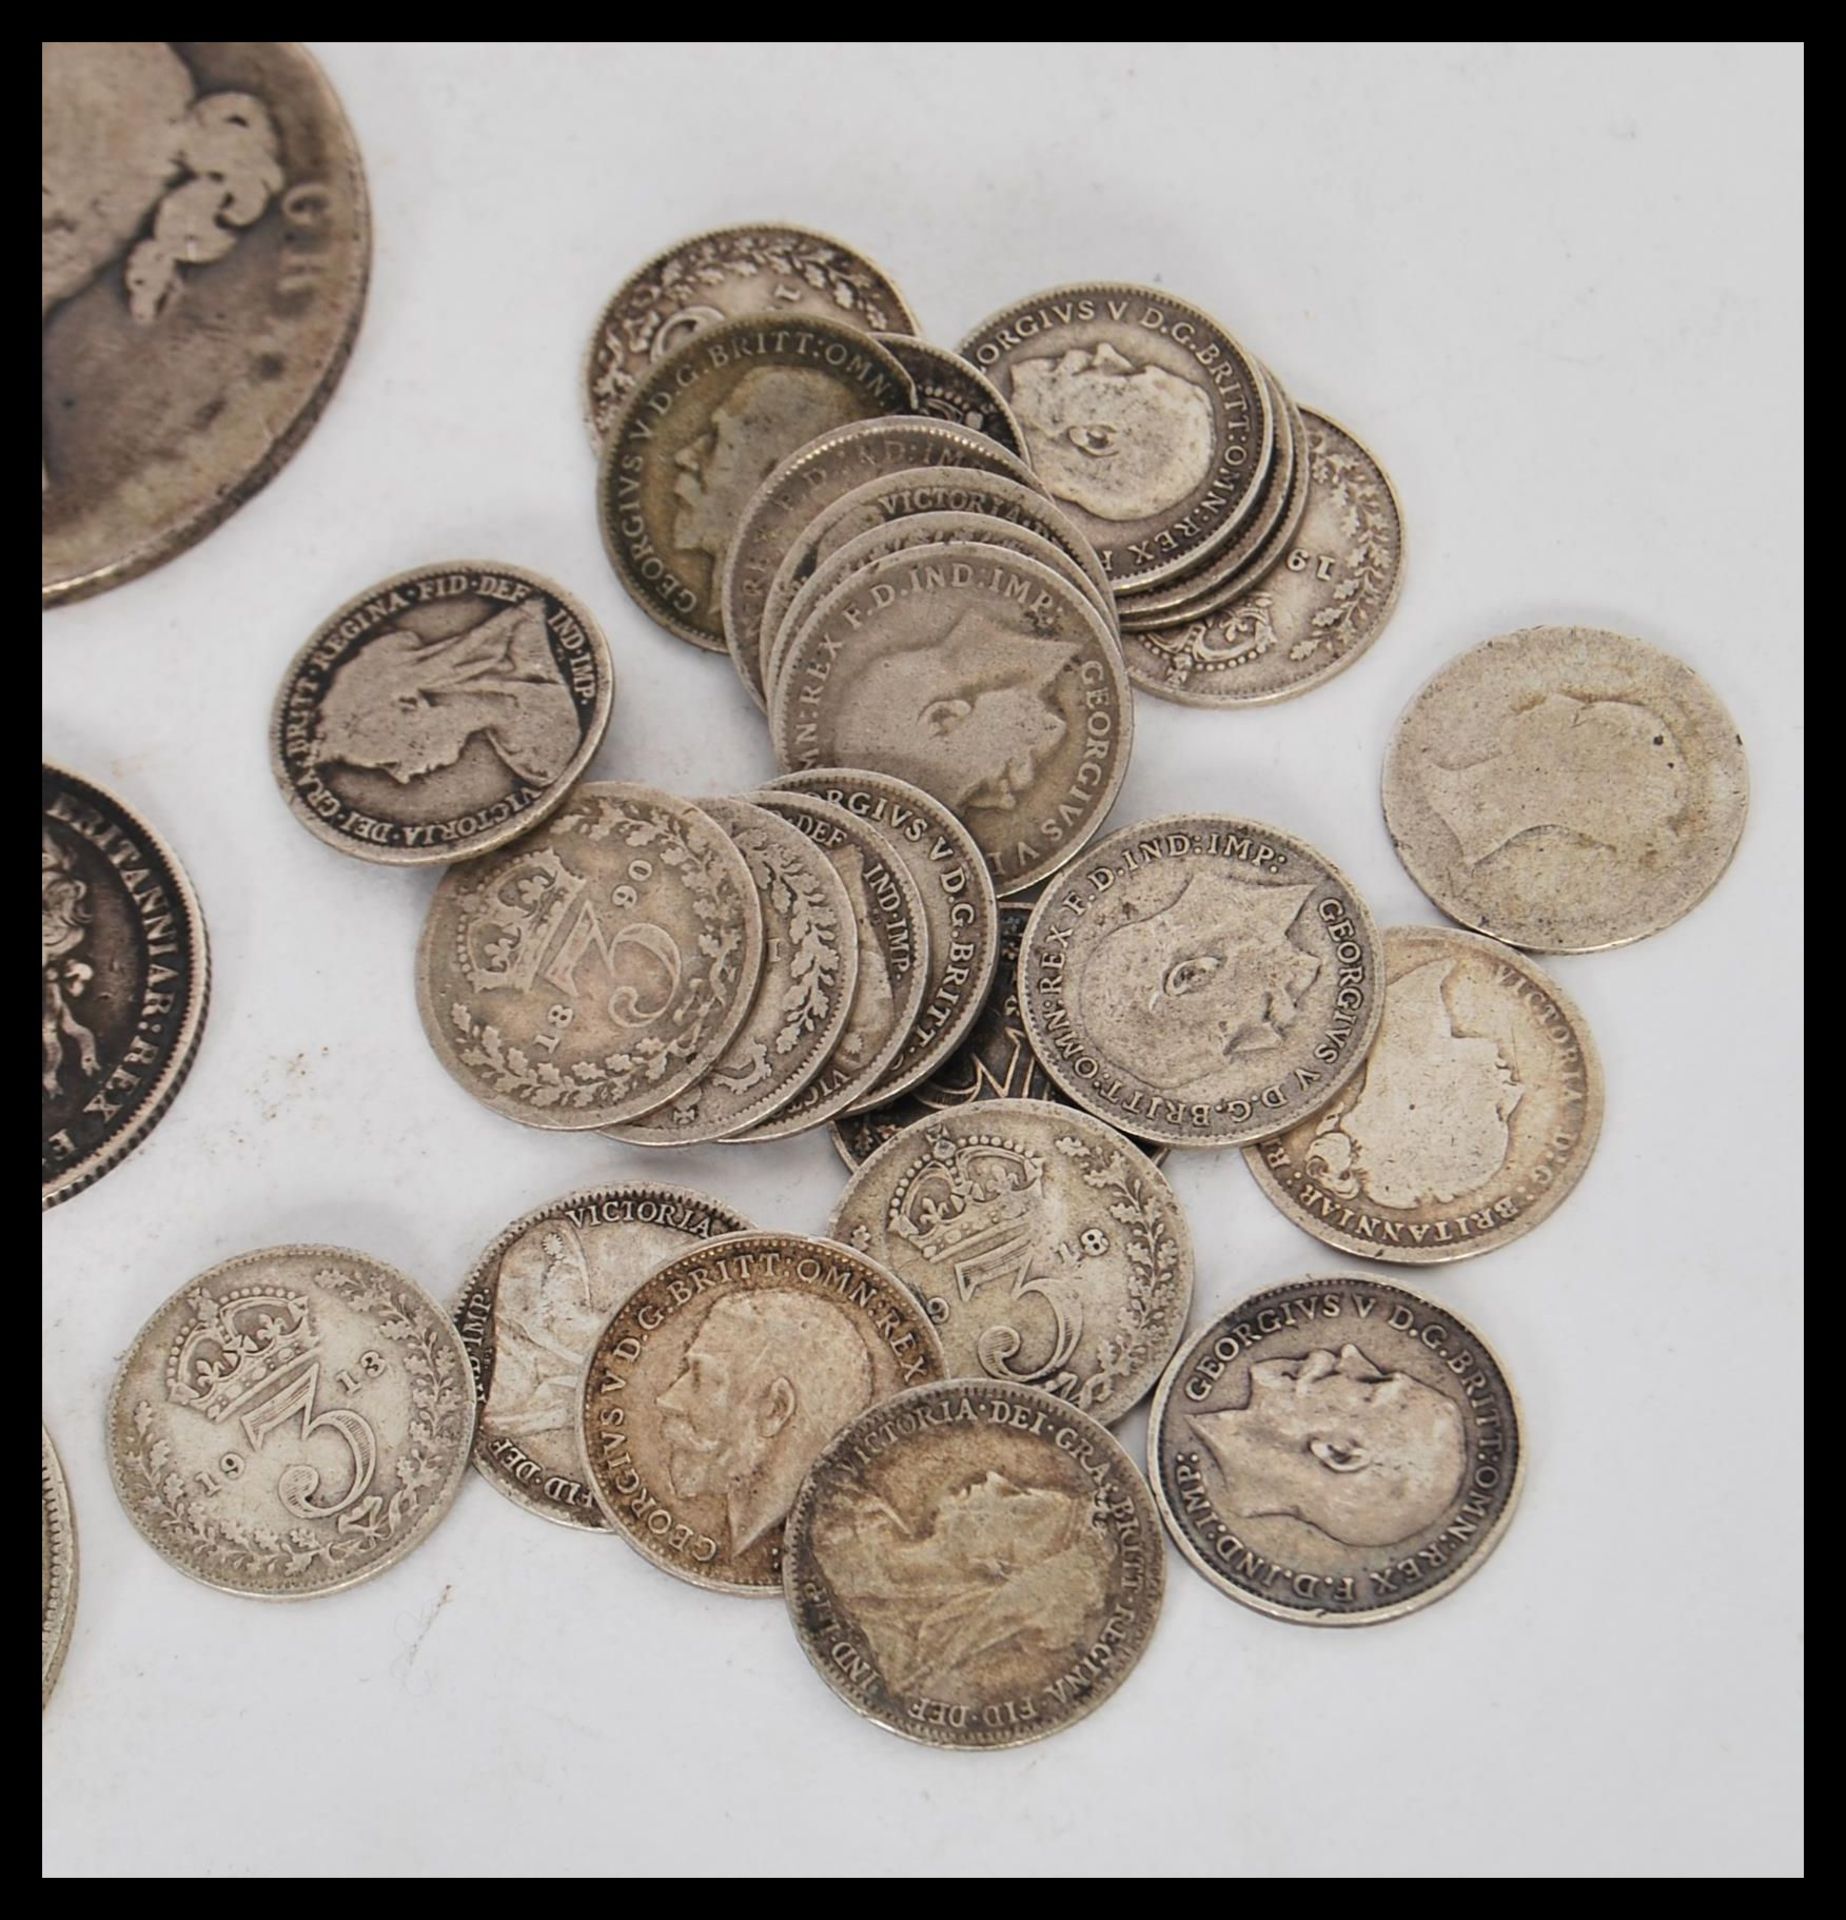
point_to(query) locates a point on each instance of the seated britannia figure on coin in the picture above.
(549, 1306)
(1120, 441)
(1365, 1457)
(66, 912)
(769, 1379)
(1431, 1117)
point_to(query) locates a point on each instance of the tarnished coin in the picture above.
(703, 429)
(530, 1311)
(58, 1588)
(974, 1565)
(1566, 789)
(205, 251)
(441, 713)
(949, 388)
(893, 962)
(803, 996)
(1047, 1249)
(1142, 417)
(292, 1422)
(809, 481)
(979, 676)
(714, 1384)
(1476, 1112)
(1336, 1451)
(1202, 980)
(589, 972)
(959, 908)
(126, 979)
(728, 275)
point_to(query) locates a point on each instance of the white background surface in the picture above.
(1556, 291)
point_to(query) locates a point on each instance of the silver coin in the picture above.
(714, 1384)
(58, 1585)
(1336, 1451)
(1565, 789)
(530, 1311)
(1201, 980)
(441, 713)
(949, 388)
(206, 249)
(594, 969)
(1048, 1249)
(291, 1423)
(974, 1565)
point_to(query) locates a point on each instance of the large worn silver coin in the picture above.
(703, 430)
(58, 1585)
(974, 1565)
(205, 251)
(1047, 1248)
(441, 713)
(1143, 418)
(589, 972)
(292, 1422)
(1202, 980)
(948, 388)
(714, 1384)
(126, 980)
(1566, 789)
(729, 274)
(1476, 1112)
(1336, 1451)
(530, 1311)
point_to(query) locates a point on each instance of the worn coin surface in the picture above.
(589, 972)
(126, 979)
(727, 275)
(979, 676)
(703, 430)
(441, 713)
(292, 1422)
(714, 1384)
(205, 251)
(975, 1564)
(803, 997)
(1142, 417)
(949, 388)
(530, 1311)
(1566, 789)
(1476, 1112)
(959, 908)
(58, 1588)
(1201, 980)
(1047, 1248)
(1336, 1451)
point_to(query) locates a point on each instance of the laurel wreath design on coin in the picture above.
(1371, 550)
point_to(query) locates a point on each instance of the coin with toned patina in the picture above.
(1047, 1248)
(441, 713)
(949, 388)
(590, 971)
(1566, 789)
(1336, 1451)
(729, 274)
(975, 1564)
(979, 676)
(716, 1381)
(803, 998)
(126, 979)
(58, 1587)
(701, 432)
(1476, 1112)
(1142, 417)
(530, 1311)
(292, 1422)
(206, 247)
(1201, 980)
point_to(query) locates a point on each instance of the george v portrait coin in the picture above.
(949, 388)
(58, 1585)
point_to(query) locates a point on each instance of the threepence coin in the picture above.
(206, 246)
(718, 1379)
(292, 1422)
(974, 1565)
(125, 981)
(530, 1311)
(1476, 1112)
(58, 1588)
(1336, 1451)
(441, 713)
(948, 388)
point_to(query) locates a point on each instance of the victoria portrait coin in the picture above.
(950, 388)
(58, 1587)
